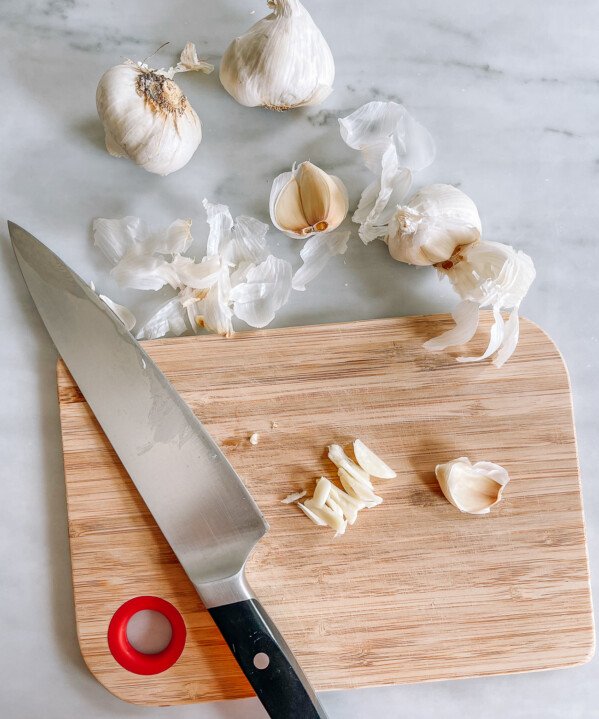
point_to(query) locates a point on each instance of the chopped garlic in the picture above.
(294, 497)
(321, 493)
(357, 489)
(312, 515)
(254, 438)
(371, 463)
(338, 457)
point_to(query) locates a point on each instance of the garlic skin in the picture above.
(146, 117)
(307, 201)
(434, 223)
(281, 63)
(472, 488)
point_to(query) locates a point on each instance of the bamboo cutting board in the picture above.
(414, 591)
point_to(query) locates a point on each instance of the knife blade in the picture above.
(197, 499)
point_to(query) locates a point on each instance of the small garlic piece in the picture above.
(372, 463)
(321, 493)
(294, 497)
(472, 488)
(355, 488)
(145, 115)
(433, 226)
(254, 438)
(282, 62)
(307, 201)
(342, 461)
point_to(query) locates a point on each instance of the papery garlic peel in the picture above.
(281, 62)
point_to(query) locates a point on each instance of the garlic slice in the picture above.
(393, 146)
(282, 62)
(321, 493)
(333, 518)
(355, 488)
(294, 497)
(372, 463)
(342, 461)
(314, 515)
(146, 117)
(307, 201)
(125, 315)
(434, 225)
(472, 488)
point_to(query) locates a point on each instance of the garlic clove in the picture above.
(307, 201)
(472, 488)
(281, 63)
(372, 463)
(433, 226)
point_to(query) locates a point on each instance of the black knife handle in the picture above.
(256, 642)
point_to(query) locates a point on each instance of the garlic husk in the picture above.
(393, 146)
(282, 62)
(486, 275)
(307, 201)
(123, 313)
(315, 254)
(146, 116)
(433, 224)
(472, 488)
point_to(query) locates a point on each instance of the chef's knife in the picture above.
(197, 499)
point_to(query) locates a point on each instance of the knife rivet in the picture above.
(261, 660)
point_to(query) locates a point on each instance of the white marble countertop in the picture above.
(510, 93)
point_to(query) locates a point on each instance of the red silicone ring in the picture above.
(126, 655)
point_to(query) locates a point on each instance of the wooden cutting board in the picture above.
(414, 591)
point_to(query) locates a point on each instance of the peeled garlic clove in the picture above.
(146, 117)
(307, 201)
(433, 226)
(372, 463)
(282, 62)
(472, 488)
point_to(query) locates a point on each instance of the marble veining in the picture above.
(510, 93)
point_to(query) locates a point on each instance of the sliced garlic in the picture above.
(355, 488)
(433, 226)
(372, 463)
(146, 117)
(315, 515)
(294, 497)
(307, 201)
(349, 505)
(333, 518)
(321, 493)
(472, 488)
(282, 62)
(342, 461)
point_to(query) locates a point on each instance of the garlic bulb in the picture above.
(282, 62)
(145, 115)
(307, 201)
(432, 225)
(472, 488)
(486, 274)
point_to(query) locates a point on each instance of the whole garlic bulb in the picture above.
(307, 201)
(146, 117)
(282, 62)
(432, 225)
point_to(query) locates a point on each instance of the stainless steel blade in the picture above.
(196, 497)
